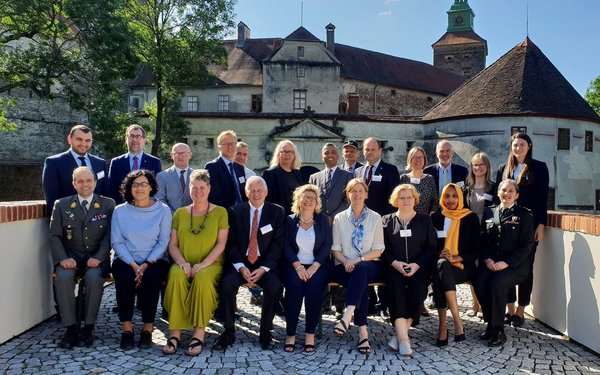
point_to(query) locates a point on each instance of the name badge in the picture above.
(415, 181)
(487, 197)
(376, 178)
(460, 184)
(406, 233)
(100, 175)
(266, 229)
(242, 179)
(441, 234)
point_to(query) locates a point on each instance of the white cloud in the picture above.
(387, 13)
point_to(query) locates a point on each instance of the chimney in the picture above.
(243, 33)
(330, 38)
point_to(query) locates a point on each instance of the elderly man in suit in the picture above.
(57, 176)
(80, 245)
(444, 171)
(331, 182)
(173, 182)
(227, 178)
(134, 159)
(350, 155)
(253, 250)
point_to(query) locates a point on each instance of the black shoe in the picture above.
(489, 332)
(225, 340)
(70, 338)
(87, 335)
(441, 343)
(127, 341)
(517, 321)
(498, 339)
(507, 319)
(461, 337)
(266, 341)
(145, 340)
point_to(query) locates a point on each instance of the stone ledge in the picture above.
(574, 222)
(22, 210)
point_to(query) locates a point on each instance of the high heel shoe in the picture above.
(461, 337)
(440, 343)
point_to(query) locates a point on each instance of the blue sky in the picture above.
(564, 30)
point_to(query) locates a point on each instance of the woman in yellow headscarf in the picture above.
(458, 245)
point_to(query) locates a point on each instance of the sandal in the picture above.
(289, 348)
(364, 349)
(340, 331)
(309, 348)
(194, 343)
(172, 345)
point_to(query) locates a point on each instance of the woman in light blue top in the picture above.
(139, 235)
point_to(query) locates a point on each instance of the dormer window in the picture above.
(300, 51)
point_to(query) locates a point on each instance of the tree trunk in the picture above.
(159, 120)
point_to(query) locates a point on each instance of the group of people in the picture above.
(209, 231)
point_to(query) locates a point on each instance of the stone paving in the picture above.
(532, 349)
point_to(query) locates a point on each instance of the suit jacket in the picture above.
(333, 200)
(57, 177)
(459, 173)
(280, 190)
(380, 191)
(323, 239)
(533, 190)
(493, 192)
(79, 236)
(119, 168)
(270, 243)
(169, 189)
(222, 189)
(356, 166)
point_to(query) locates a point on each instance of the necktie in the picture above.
(182, 180)
(238, 196)
(349, 169)
(136, 165)
(84, 204)
(253, 244)
(82, 159)
(444, 179)
(369, 175)
(328, 180)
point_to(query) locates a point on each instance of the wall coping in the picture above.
(22, 210)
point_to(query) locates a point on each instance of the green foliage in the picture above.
(5, 105)
(592, 95)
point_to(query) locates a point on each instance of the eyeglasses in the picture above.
(309, 197)
(135, 136)
(140, 184)
(286, 151)
(228, 144)
(180, 154)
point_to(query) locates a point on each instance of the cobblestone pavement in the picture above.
(531, 349)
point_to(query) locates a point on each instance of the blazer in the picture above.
(323, 239)
(222, 189)
(380, 191)
(79, 236)
(119, 168)
(493, 192)
(169, 189)
(270, 239)
(459, 174)
(280, 192)
(508, 237)
(533, 190)
(469, 238)
(334, 200)
(354, 168)
(57, 177)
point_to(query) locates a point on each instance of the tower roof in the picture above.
(522, 82)
(301, 34)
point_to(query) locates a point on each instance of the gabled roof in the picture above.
(301, 34)
(522, 82)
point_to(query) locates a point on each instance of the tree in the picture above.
(592, 95)
(178, 40)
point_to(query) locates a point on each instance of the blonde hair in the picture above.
(488, 173)
(296, 164)
(298, 196)
(224, 133)
(356, 181)
(403, 187)
(411, 154)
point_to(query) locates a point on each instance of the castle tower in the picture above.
(460, 50)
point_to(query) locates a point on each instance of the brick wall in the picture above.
(22, 210)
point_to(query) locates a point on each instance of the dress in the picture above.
(191, 303)
(428, 201)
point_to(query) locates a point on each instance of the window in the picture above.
(299, 99)
(192, 104)
(589, 141)
(223, 103)
(518, 129)
(448, 57)
(135, 102)
(256, 103)
(564, 139)
(300, 72)
(300, 51)
(209, 143)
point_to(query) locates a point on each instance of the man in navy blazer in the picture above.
(227, 178)
(134, 159)
(350, 155)
(57, 176)
(454, 172)
(173, 189)
(270, 219)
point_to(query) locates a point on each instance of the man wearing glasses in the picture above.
(134, 159)
(173, 182)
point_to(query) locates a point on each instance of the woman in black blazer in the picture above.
(458, 247)
(532, 178)
(283, 175)
(307, 266)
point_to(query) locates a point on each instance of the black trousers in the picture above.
(446, 279)
(492, 291)
(405, 294)
(526, 286)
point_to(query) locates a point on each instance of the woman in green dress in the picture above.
(198, 238)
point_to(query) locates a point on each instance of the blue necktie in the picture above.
(238, 196)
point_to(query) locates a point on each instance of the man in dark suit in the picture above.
(380, 176)
(253, 250)
(80, 245)
(227, 178)
(134, 159)
(445, 171)
(173, 182)
(331, 182)
(57, 176)
(350, 155)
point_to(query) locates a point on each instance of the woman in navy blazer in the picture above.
(306, 267)
(283, 175)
